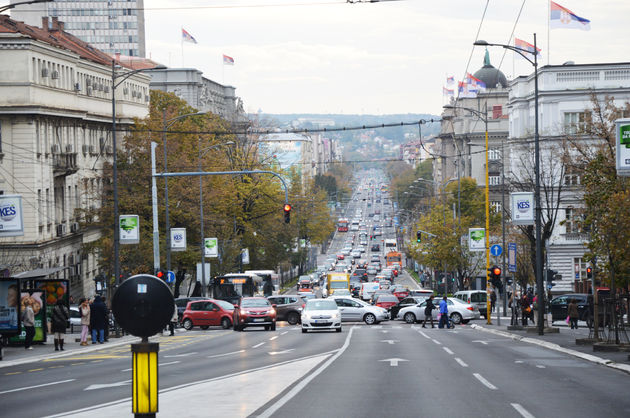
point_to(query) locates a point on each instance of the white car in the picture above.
(353, 310)
(458, 311)
(321, 314)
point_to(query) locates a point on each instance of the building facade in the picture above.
(55, 130)
(112, 26)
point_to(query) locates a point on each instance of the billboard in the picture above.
(476, 239)
(522, 208)
(38, 302)
(129, 227)
(55, 290)
(178, 239)
(11, 216)
(211, 247)
(623, 147)
(9, 306)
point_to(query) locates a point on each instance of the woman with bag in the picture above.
(428, 312)
(60, 318)
(84, 309)
(28, 321)
(572, 310)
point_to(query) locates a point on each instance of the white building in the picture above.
(55, 135)
(565, 93)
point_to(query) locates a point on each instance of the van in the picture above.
(367, 290)
(477, 298)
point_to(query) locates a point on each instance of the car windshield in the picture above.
(225, 305)
(321, 305)
(387, 298)
(255, 303)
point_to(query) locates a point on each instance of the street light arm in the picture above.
(516, 49)
(130, 73)
(210, 148)
(170, 122)
(12, 6)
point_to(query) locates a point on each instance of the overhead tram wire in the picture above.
(483, 16)
(505, 50)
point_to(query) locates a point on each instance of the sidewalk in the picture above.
(563, 341)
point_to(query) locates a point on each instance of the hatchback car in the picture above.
(321, 314)
(375, 247)
(386, 301)
(356, 310)
(182, 303)
(206, 313)
(254, 312)
(408, 301)
(476, 298)
(288, 308)
(458, 312)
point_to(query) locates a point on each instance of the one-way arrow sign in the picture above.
(107, 385)
(389, 341)
(394, 361)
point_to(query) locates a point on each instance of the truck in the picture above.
(336, 281)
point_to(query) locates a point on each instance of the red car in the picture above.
(341, 257)
(207, 312)
(254, 312)
(400, 292)
(386, 301)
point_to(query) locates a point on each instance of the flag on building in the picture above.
(188, 37)
(448, 92)
(563, 18)
(475, 83)
(464, 89)
(228, 60)
(450, 80)
(519, 43)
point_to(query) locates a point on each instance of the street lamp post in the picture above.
(539, 260)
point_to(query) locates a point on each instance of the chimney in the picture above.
(55, 22)
(45, 23)
(60, 25)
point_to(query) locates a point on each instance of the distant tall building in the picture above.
(110, 26)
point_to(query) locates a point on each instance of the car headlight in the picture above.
(271, 312)
(336, 315)
(244, 312)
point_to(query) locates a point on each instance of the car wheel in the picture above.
(226, 323)
(204, 327)
(410, 318)
(338, 329)
(188, 324)
(304, 330)
(293, 318)
(456, 318)
(369, 319)
(465, 321)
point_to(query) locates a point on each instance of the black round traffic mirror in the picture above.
(143, 305)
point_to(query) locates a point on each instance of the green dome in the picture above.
(493, 77)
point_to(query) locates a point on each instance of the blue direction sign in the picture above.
(170, 277)
(496, 250)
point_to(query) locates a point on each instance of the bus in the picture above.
(342, 225)
(390, 245)
(233, 286)
(392, 258)
(337, 280)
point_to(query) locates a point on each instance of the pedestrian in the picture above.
(591, 309)
(493, 300)
(428, 312)
(174, 321)
(60, 318)
(84, 310)
(444, 314)
(525, 309)
(98, 319)
(573, 314)
(28, 321)
(530, 301)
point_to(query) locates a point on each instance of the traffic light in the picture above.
(161, 274)
(495, 277)
(551, 274)
(589, 272)
(418, 236)
(287, 213)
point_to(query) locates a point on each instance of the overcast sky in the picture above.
(327, 56)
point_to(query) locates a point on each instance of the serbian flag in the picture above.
(519, 43)
(450, 80)
(188, 37)
(228, 60)
(474, 82)
(448, 92)
(563, 18)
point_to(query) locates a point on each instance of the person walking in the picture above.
(493, 300)
(60, 318)
(573, 314)
(98, 319)
(444, 314)
(84, 310)
(28, 321)
(428, 312)
(173, 322)
(525, 309)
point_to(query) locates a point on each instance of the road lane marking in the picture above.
(169, 363)
(390, 342)
(12, 373)
(181, 355)
(524, 412)
(424, 335)
(540, 366)
(436, 341)
(448, 350)
(519, 362)
(480, 341)
(227, 354)
(273, 338)
(36, 386)
(258, 345)
(285, 332)
(77, 364)
(107, 385)
(273, 353)
(36, 370)
(394, 361)
(484, 381)
(461, 362)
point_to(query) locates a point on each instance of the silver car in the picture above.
(458, 311)
(354, 310)
(321, 314)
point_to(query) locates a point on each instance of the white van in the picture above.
(367, 290)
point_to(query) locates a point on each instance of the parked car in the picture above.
(476, 298)
(321, 314)
(386, 301)
(254, 312)
(408, 301)
(288, 308)
(356, 310)
(458, 311)
(560, 304)
(207, 312)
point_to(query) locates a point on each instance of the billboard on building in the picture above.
(11, 216)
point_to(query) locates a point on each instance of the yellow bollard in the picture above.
(145, 378)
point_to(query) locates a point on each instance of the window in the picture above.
(495, 206)
(497, 111)
(197, 306)
(575, 122)
(494, 180)
(571, 177)
(579, 267)
(494, 154)
(571, 221)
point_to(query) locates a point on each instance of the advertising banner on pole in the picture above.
(512, 257)
(245, 255)
(623, 147)
(129, 229)
(522, 208)
(476, 239)
(11, 217)
(178, 239)
(211, 247)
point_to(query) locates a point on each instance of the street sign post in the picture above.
(496, 250)
(170, 276)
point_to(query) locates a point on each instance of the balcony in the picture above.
(575, 236)
(64, 164)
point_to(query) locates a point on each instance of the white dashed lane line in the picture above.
(227, 354)
(524, 413)
(273, 338)
(461, 362)
(448, 350)
(484, 381)
(258, 345)
(437, 342)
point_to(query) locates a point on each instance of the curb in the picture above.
(552, 346)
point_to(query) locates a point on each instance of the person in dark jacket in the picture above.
(572, 310)
(98, 319)
(60, 318)
(428, 312)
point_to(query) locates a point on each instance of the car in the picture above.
(75, 317)
(321, 314)
(342, 292)
(477, 298)
(371, 271)
(399, 291)
(341, 256)
(408, 301)
(375, 247)
(359, 274)
(356, 290)
(375, 258)
(377, 293)
(254, 311)
(367, 290)
(560, 304)
(207, 312)
(182, 303)
(356, 254)
(288, 308)
(356, 310)
(458, 311)
(420, 292)
(384, 284)
(386, 301)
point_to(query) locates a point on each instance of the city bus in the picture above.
(393, 257)
(232, 286)
(390, 245)
(342, 225)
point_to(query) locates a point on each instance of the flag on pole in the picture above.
(563, 18)
(187, 37)
(466, 90)
(448, 92)
(228, 60)
(450, 80)
(519, 43)
(474, 82)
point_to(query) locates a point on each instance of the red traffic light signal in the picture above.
(495, 271)
(287, 213)
(589, 272)
(161, 274)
